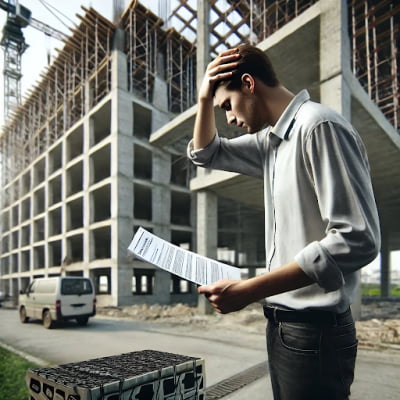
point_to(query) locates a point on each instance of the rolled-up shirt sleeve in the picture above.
(201, 157)
(241, 154)
(337, 165)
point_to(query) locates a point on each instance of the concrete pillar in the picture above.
(206, 201)
(14, 291)
(161, 216)
(88, 251)
(207, 225)
(122, 195)
(334, 67)
(160, 89)
(88, 98)
(161, 176)
(207, 234)
(160, 114)
(334, 57)
(203, 41)
(65, 251)
(121, 178)
(119, 70)
(88, 132)
(385, 265)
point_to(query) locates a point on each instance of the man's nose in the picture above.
(231, 119)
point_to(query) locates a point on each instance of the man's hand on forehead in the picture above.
(224, 64)
(221, 68)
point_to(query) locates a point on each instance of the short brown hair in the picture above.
(254, 62)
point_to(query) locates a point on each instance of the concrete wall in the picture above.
(78, 205)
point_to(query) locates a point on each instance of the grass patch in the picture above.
(374, 290)
(12, 376)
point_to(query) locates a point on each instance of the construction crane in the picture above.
(14, 45)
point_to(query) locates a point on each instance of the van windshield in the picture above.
(76, 286)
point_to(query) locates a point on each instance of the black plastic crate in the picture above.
(140, 375)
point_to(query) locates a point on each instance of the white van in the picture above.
(58, 299)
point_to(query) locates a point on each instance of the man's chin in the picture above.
(255, 129)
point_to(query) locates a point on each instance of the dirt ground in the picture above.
(379, 326)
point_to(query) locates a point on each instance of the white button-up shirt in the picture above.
(320, 209)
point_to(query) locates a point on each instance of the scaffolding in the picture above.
(80, 77)
(56, 151)
(374, 31)
(373, 28)
(77, 80)
(234, 22)
(152, 50)
(142, 29)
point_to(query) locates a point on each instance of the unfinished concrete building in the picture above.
(78, 172)
(98, 146)
(346, 54)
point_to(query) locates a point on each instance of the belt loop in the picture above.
(275, 319)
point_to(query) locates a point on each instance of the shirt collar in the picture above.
(283, 127)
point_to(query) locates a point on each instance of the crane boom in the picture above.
(14, 45)
(47, 29)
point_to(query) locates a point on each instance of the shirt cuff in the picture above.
(316, 262)
(202, 156)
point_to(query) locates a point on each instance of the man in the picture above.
(320, 218)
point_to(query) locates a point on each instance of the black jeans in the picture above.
(309, 361)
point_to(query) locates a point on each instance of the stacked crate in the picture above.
(140, 375)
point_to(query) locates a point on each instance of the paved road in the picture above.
(225, 353)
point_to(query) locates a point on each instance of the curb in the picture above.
(26, 356)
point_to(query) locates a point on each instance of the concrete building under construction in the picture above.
(97, 148)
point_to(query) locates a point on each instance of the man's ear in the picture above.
(248, 82)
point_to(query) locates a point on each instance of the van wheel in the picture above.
(48, 323)
(82, 321)
(22, 315)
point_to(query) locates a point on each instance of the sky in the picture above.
(61, 15)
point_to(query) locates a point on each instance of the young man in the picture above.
(321, 220)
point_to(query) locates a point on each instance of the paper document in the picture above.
(178, 261)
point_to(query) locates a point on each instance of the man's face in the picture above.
(241, 108)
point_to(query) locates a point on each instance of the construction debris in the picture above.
(379, 326)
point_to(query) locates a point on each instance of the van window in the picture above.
(76, 286)
(32, 287)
